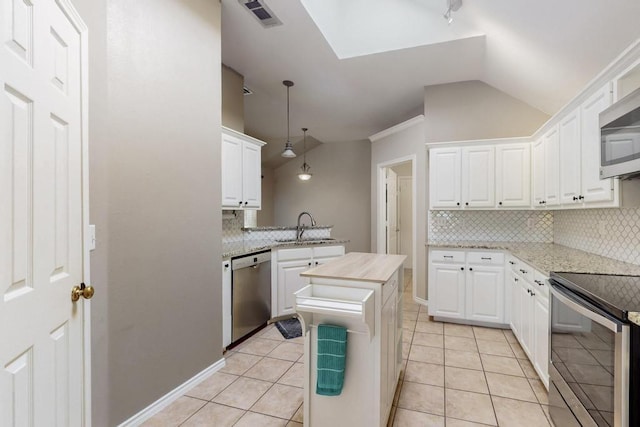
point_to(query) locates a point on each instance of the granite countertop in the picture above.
(285, 227)
(377, 268)
(243, 247)
(548, 257)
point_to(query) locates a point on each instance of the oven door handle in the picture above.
(586, 309)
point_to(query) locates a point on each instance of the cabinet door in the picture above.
(289, 281)
(538, 174)
(446, 282)
(541, 337)
(226, 303)
(231, 172)
(526, 327)
(478, 177)
(570, 146)
(552, 167)
(516, 302)
(485, 294)
(594, 189)
(387, 363)
(251, 175)
(513, 175)
(444, 177)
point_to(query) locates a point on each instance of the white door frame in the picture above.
(381, 206)
(73, 16)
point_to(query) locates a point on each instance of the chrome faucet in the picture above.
(300, 228)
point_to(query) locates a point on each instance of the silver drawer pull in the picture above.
(486, 257)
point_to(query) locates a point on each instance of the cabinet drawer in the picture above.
(390, 287)
(492, 258)
(296, 253)
(525, 271)
(447, 256)
(328, 251)
(540, 283)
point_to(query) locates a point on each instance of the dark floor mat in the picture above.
(290, 328)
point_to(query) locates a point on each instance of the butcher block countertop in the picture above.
(377, 268)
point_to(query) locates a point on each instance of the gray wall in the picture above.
(338, 193)
(154, 146)
(232, 99)
(455, 111)
(265, 215)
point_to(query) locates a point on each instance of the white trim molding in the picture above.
(397, 128)
(173, 395)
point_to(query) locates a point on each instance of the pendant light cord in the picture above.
(288, 137)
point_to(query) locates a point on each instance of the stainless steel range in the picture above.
(595, 350)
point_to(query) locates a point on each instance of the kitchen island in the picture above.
(361, 292)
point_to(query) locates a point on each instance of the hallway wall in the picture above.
(154, 142)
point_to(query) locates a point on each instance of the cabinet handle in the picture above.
(539, 282)
(580, 197)
(240, 203)
(533, 294)
(529, 291)
(523, 271)
(461, 268)
(467, 203)
(447, 256)
(486, 257)
(458, 203)
(470, 269)
(515, 279)
(245, 203)
(500, 203)
(309, 264)
(512, 263)
(226, 266)
(575, 198)
(317, 263)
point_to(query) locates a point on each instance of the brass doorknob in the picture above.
(81, 291)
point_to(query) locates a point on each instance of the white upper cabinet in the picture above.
(462, 177)
(478, 177)
(570, 153)
(552, 167)
(513, 175)
(444, 177)
(538, 173)
(241, 171)
(594, 189)
(546, 170)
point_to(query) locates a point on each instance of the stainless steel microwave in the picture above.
(620, 138)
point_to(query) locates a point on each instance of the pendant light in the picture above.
(304, 174)
(288, 147)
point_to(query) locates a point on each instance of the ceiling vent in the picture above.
(246, 91)
(261, 12)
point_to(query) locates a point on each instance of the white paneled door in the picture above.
(392, 212)
(42, 214)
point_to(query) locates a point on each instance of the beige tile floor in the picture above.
(454, 375)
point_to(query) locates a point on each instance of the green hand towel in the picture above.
(332, 351)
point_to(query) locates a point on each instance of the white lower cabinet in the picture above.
(467, 285)
(530, 314)
(226, 303)
(287, 264)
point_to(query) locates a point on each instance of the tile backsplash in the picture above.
(614, 233)
(497, 226)
(232, 226)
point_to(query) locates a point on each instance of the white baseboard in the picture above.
(173, 395)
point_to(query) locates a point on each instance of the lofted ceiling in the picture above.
(360, 66)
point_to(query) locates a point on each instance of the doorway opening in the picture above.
(396, 228)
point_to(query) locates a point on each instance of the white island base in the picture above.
(363, 293)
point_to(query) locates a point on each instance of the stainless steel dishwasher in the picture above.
(250, 293)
